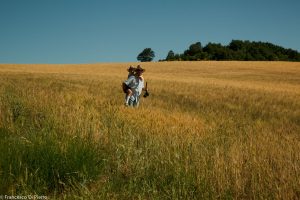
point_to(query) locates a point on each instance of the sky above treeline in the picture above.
(78, 31)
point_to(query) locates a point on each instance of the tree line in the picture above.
(236, 50)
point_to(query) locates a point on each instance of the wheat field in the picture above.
(208, 130)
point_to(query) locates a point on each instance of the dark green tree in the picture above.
(170, 56)
(195, 48)
(146, 55)
(194, 52)
(216, 51)
(236, 45)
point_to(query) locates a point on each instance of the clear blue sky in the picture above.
(90, 31)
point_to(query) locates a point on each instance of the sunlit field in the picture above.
(208, 130)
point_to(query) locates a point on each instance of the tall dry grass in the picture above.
(227, 130)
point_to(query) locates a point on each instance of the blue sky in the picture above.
(91, 31)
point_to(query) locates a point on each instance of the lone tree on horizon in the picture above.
(146, 55)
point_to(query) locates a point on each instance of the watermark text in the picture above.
(21, 197)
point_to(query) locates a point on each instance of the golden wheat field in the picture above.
(208, 130)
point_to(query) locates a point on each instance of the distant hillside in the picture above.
(236, 50)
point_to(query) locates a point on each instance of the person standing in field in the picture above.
(133, 87)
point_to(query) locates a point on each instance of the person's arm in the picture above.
(145, 88)
(146, 91)
(129, 80)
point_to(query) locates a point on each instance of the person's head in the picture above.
(131, 69)
(139, 70)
